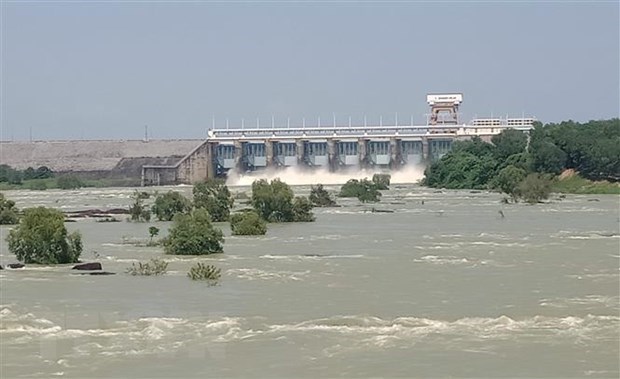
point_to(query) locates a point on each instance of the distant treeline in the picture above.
(592, 149)
(11, 175)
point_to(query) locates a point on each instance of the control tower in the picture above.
(444, 108)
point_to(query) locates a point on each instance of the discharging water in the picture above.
(444, 286)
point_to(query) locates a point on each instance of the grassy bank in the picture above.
(578, 185)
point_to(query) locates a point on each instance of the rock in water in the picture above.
(88, 266)
(16, 265)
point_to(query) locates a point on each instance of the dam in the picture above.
(331, 148)
(334, 148)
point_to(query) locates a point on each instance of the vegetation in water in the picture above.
(592, 149)
(41, 237)
(319, 197)
(69, 182)
(138, 211)
(169, 204)
(193, 234)
(8, 211)
(214, 196)
(247, 223)
(382, 181)
(208, 273)
(275, 202)
(153, 231)
(365, 190)
(153, 267)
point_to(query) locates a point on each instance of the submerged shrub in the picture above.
(208, 273)
(41, 237)
(153, 267)
(319, 197)
(193, 234)
(247, 223)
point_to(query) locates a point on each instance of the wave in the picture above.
(257, 274)
(336, 334)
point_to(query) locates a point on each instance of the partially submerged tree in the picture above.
(274, 202)
(508, 181)
(247, 223)
(365, 190)
(153, 231)
(8, 211)
(534, 188)
(138, 210)
(382, 181)
(41, 237)
(193, 234)
(319, 197)
(169, 204)
(214, 196)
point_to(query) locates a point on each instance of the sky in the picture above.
(105, 70)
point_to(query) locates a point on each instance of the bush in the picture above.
(10, 175)
(41, 237)
(8, 212)
(364, 190)
(214, 196)
(169, 204)
(247, 224)
(152, 268)
(274, 202)
(508, 181)
(208, 273)
(319, 197)
(382, 181)
(69, 182)
(138, 211)
(193, 234)
(302, 209)
(534, 188)
(37, 185)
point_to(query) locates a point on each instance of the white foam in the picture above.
(299, 176)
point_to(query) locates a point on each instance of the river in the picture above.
(443, 286)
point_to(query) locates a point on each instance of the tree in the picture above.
(193, 234)
(547, 157)
(169, 204)
(8, 212)
(508, 181)
(381, 181)
(302, 209)
(153, 231)
(138, 210)
(10, 175)
(319, 197)
(274, 202)
(41, 237)
(365, 190)
(534, 188)
(509, 142)
(247, 223)
(214, 196)
(69, 182)
(208, 273)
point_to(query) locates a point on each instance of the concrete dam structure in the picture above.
(243, 150)
(95, 158)
(379, 148)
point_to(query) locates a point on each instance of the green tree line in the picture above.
(592, 149)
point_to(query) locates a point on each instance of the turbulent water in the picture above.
(443, 286)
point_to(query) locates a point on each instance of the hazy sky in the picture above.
(104, 70)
